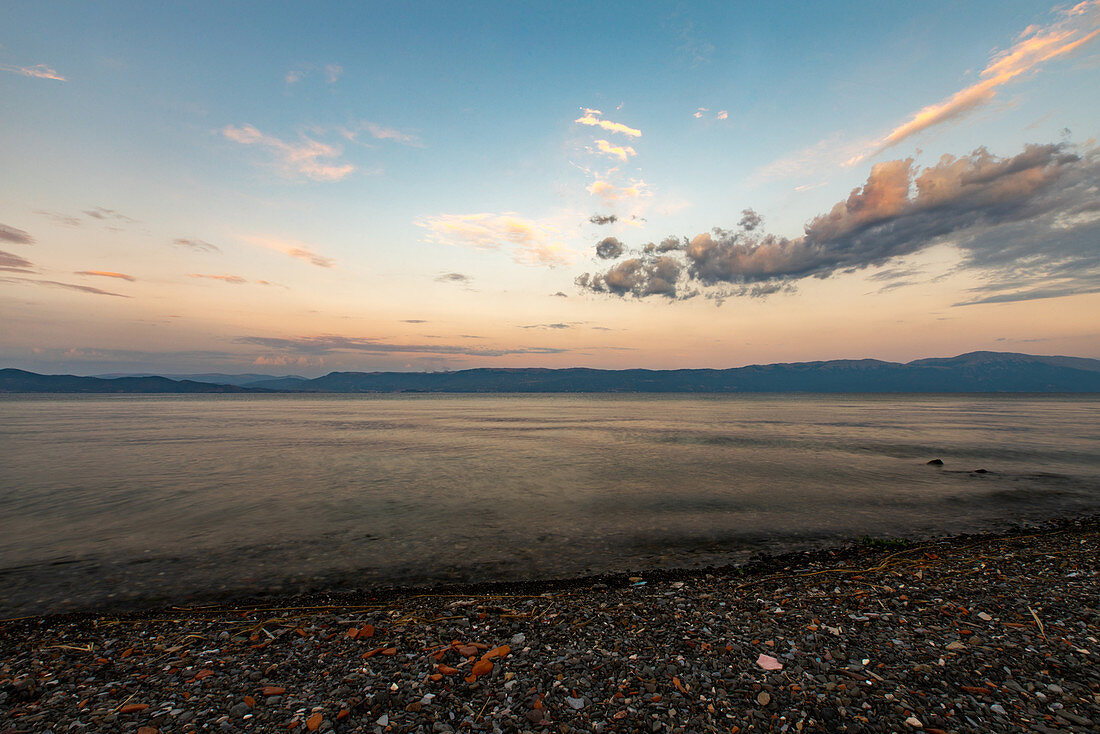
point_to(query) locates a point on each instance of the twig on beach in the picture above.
(1038, 622)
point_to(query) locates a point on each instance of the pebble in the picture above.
(877, 653)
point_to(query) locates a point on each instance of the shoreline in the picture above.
(333, 589)
(972, 633)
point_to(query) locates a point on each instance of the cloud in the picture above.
(603, 219)
(234, 279)
(59, 218)
(14, 263)
(559, 294)
(609, 248)
(636, 276)
(1073, 28)
(413, 321)
(615, 151)
(197, 245)
(107, 214)
(723, 115)
(291, 248)
(333, 72)
(38, 71)
(548, 326)
(294, 76)
(531, 241)
(382, 132)
(592, 117)
(453, 278)
(18, 236)
(309, 158)
(325, 344)
(66, 286)
(610, 192)
(1030, 219)
(106, 274)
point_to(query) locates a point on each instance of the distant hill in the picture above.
(21, 381)
(973, 372)
(217, 378)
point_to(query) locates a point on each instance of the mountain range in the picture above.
(971, 372)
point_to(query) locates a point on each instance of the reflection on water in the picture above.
(112, 497)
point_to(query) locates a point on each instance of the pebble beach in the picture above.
(984, 633)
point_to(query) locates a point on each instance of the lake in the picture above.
(134, 498)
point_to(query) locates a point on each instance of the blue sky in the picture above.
(293, 187)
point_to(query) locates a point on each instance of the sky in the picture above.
(299, 188)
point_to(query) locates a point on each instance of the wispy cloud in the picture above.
(325, 344)
(197, 245)
(610, 192)
(1073, 28)
(17, 236)
(14, 263)
(602, 219)
(381, 132)
(291, 248)
(106, 274)
(332, 73)
(108, 214)
(622, 152)
(66, 220)
(593, 117)
(530, 241)
(309, 158)
(38, 71)
(234, 279)
(453, 278)
(66, 286)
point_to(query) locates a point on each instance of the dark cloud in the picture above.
(14, 263)
(1027, 221)
(18, 236)
(197, 245)
(609, 248)
(413, 321)
(636, 276)
(547, 326)
(750, 220)
(67, 286)
(317, 345)
(603, 218)
(454, 278)
(559, 294)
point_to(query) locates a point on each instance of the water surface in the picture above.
(109, 498)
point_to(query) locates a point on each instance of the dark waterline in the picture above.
(110, 498)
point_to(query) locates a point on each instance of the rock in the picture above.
(575, 703)
(935, 462)
(133, 708)
(383, 720)
(914, 722)
(998, 709)
(239, 710)
(763, 698)
(313, 723)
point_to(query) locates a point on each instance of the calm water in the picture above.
(112, 498)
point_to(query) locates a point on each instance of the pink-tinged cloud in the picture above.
(622, 152)
(333, 72)
(38, 71)
(234, 279)
(609, 192)
(106, 274)
(66, 286)
(291, 248)
(1074, 28)
(18, 236)
(382, 132)
(723, 114)
(14, 263)
(592, 117)
(530, 241)
(309, 158)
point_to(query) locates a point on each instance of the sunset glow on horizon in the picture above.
(433, 186)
